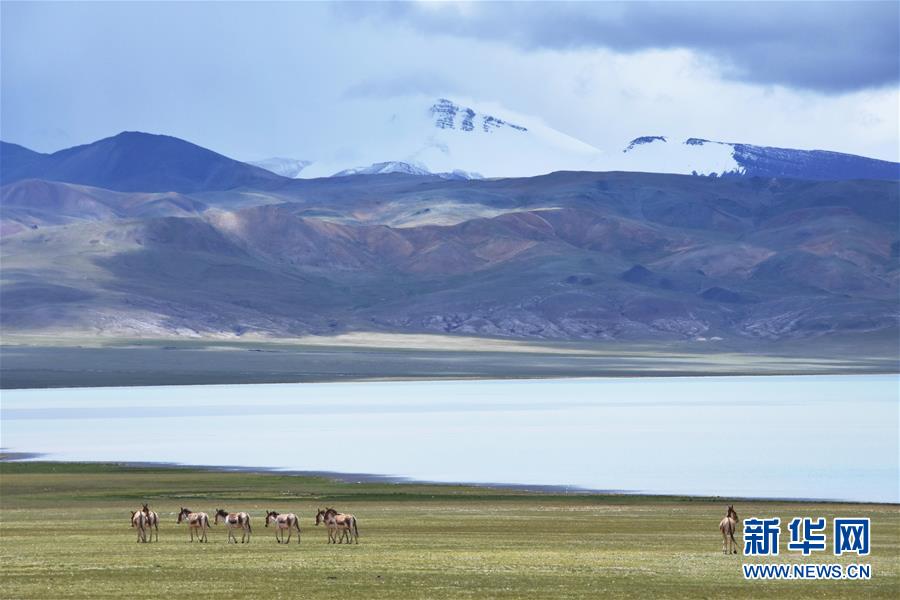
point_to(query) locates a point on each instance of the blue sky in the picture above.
(253, 80)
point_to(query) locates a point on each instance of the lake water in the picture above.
(828, 437)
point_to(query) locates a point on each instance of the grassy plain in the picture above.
(64, 533)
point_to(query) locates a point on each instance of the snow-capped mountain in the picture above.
(286, 167)
(662, 154)
(455, 141)
(382, 168)
(406, 168)
(458, 141)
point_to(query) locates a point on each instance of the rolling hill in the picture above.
(569, 255)
(134, 162)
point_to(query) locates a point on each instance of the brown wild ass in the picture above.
(195, 520)
(287, 521)
(152, 522)
(234, 521)
(338, 522)
(727, 527)
(139, 521)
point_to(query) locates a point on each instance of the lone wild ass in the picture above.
(195, 520)
(152, 522)
(234, 521)
(139, 521)
(727, 527)
(287, 521)
(338, 522)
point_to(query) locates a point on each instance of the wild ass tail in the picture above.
(355, 530)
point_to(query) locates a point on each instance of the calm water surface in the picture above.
(830, 437)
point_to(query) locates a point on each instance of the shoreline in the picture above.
(372, 478)
(485, 378)
(80, 363)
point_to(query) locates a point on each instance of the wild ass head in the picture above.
(732, 514)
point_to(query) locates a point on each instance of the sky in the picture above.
(255, 80)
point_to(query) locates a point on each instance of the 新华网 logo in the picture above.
(762, 537)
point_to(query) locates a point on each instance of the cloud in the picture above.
(828, 47)
(409, 84)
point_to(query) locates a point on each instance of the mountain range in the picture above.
(448, 137)
(145, 235)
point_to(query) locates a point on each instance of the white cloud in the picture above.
(300, 80)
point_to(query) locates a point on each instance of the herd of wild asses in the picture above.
(341, 527)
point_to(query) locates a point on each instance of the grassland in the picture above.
(64, 533)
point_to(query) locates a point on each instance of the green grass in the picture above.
(64, 533)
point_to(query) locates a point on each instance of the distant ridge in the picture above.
(286, 167)
(698, 156)
(454, 149)
(134, 162)
(384, 168)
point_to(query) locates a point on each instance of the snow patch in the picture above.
(286, 167)
(661, 154)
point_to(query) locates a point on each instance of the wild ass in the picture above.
(727, 527)
(287, 521)
(332, 526)
(338, 522)
(152, 522)
(234, 521)
(139, 521)
(195, 520)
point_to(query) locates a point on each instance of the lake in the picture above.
(823, 437)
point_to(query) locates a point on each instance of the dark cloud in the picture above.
(830, 47)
